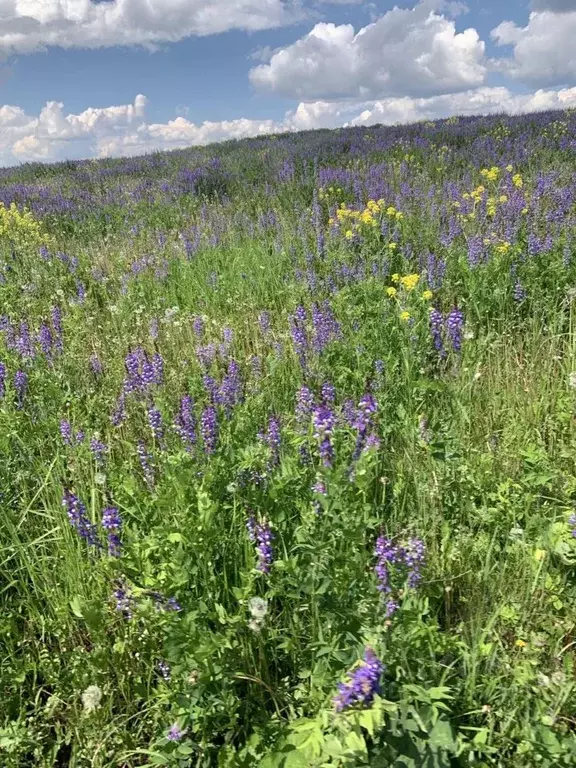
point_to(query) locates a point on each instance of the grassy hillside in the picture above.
(287, 452)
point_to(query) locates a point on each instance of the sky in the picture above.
(106, 78)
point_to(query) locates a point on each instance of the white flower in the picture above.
(255, 625)
(258, 608)
(516, 533)
(558, 678)
(170, 314)
(572, 380)
(91, 698)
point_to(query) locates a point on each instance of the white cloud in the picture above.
(560, 6)
(543, 51)
(181, 132)
(482, 101)
(414, 52)
(52, 134)
(123, 130)
(404, 109)
(27, 25)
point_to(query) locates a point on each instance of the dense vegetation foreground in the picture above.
(287, 452)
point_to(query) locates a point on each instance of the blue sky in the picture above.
(212, 62)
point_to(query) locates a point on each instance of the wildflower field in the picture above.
(287, 452)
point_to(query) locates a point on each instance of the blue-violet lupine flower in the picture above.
(304, 405)
(362, 685)
(98, 450)
(175, 733)
(186, 423)
(261, 534)
(78, 517)
(328, 393)
(66, 432)
(155, 422)
(111, 522)
(454, 328)
(209, 428)
(45, 340)
(145, 459)
(96, 365)
(324, 422)
(125, 602)
(56, 316)
(272, 438)
(20, 385)
(436, 326)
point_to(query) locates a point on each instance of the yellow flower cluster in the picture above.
(326, 193)
(408, 282)
(491, 174)
(20, 227)
(517, 180)
(503, 248)
(476, 194)
(369, 216)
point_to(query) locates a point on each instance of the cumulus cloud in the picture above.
(29, 25)
(558, 6)
(123, 130)
(52, 134)
(180, 132)
(404, 109)
(543, 51)
(109, 131)
(413, 52)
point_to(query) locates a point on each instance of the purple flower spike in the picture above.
(436, 327)
(362, 685)
(98, 450)
(186, 423)
(66, 432)
(209, 428)
(262, 536)
(45, 340)
(111, 522)
(272, 438)
(145, 459)
(155, 422)
(56, 316)
(79, 517)
(96, 365)
(304, 405)
(175, 733)
(324, 422)
(454, 328)
(20, 385)
(397, 565)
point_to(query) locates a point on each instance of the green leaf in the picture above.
(76, 606)
(442, 736)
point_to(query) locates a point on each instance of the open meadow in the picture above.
(287, 452)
